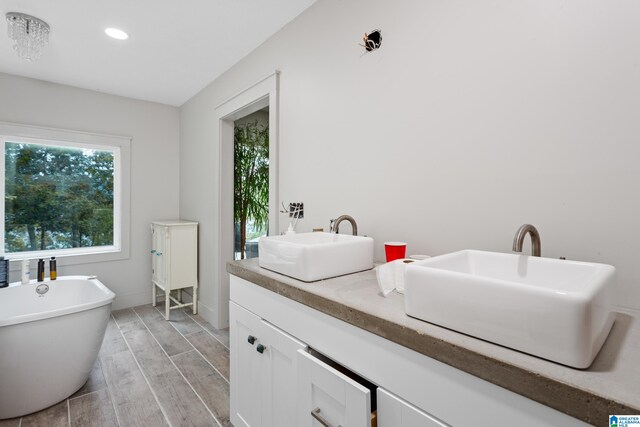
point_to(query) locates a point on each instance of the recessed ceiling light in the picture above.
(116, 34)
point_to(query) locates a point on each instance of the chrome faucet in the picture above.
(519, 239)
(335, 224)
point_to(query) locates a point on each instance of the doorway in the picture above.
(263, 94)
(250, 182)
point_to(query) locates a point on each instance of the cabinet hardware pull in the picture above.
(251, 339)
(159, 253)
(153, 251)
(316, 414)
(260, 348)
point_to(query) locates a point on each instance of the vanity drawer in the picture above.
(328, 398)
(395, 412)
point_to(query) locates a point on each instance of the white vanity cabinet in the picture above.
(263, 372)
(412, 390)
(174, 262)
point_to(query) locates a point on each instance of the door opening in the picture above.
(263, 94)
(250, 182)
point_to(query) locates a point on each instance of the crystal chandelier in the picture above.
(29, 34)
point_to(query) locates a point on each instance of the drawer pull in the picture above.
(316, 414)
(260, 348)
(159, 253)
(251, 339)
(153, 251)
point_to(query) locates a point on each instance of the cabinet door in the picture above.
(395, 412)
(327, 397)
(246, 368)
(154, 249)
(158, 256)
(182, 246)
(281, 371)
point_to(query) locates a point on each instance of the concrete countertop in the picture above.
(610, 386)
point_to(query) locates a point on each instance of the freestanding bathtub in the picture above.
(49, 341)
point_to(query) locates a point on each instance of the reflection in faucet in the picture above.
(519, 239)
(335, 224)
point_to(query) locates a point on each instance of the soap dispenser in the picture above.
(25, 269)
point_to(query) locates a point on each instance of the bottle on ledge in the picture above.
(4, 272)
(41, 270)
(53, 269)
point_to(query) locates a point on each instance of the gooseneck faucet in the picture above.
(519, 239)
(335, 224)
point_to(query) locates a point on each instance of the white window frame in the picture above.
(121, 148)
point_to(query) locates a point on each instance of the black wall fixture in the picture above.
(372, 41)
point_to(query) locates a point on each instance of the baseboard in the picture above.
(208, 314)
(131, 300)
(203, 310)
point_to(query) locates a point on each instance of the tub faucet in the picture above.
(519, 239)
(335, 224)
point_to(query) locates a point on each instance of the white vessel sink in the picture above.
(554, 309)
(316, 256)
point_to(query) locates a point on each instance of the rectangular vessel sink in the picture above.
(555, 309)
(315, 256)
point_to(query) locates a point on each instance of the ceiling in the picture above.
(175, 48)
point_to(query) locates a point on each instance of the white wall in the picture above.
(154, 129)
(472, 119)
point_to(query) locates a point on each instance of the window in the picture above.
(65, 193)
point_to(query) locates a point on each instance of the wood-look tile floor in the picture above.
(150, 372)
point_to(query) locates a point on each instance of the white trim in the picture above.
(121, 148)
(255, 97)
(42, 132)
(233, 97)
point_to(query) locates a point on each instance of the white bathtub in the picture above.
(49, 342)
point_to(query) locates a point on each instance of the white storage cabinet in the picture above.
(174, 262)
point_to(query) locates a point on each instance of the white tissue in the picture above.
(391, 276)
(386, 276)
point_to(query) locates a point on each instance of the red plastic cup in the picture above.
(395, 250)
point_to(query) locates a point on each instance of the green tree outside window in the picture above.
(57, 197)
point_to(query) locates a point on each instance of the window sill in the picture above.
(104, 254)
